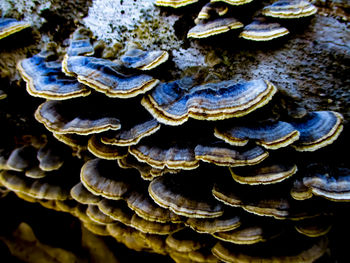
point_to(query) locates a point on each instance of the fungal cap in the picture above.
(263, 174)
(261, 30)
(104, 76)
(10, 26)
(174, 3)
(214, 27)
(172, 104)
(318, 129)
(290, 9)
(143, 60)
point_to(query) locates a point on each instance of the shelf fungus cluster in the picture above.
(219, 16)
(196, 171)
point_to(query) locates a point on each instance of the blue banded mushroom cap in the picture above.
(133, 135)
(10, 26)
(173, 103)
(214, 27)
(80, 44)
(269, 135)
(227, 156)
(174, 3)
(106, 76)
(45, 79)
(58, 117)
(262, 30)
(330, 186)
(177, 194)
(232, 2)
(143, 60)
(174, 157)
(290, 9)
(318, 129)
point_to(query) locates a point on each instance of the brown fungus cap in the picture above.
(105, 151)
(106, 76)
(10, 26)
(58, 117)
(314, 227)
(143, 205)
(146, 171)
(318, 129)
(262, 30)
(299, 191)
(22, 158)
(176, 193)
(269, 135)
(264, 173)
(36, 188)
(51, 156)
(133, 135)
(230, 220)
(83, 196)
(187, 240)
(290, 9)
(3, 95)
(96, 215)
(249, 234)
(44, 77)
(214, 27)
(305, 251)
(35, 173)
(173, 103)
(106, 178)
(227, 156)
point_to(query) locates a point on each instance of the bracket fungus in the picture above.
(213, 27)
(105, 178)
(269, 135)
(262, 30)
(174, 103)
(10, 26)
(290, 9)
(334, 185)
(227, 156)
(133, 135)
(263, 173)
(107, 77)
(137, 58)
(105, 151)
(318, 129)
(174, 3)
(45, 79)
(58, 118)
(176, 193)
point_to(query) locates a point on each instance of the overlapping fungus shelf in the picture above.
(45, 78)
(10, 26)
(175, 102)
